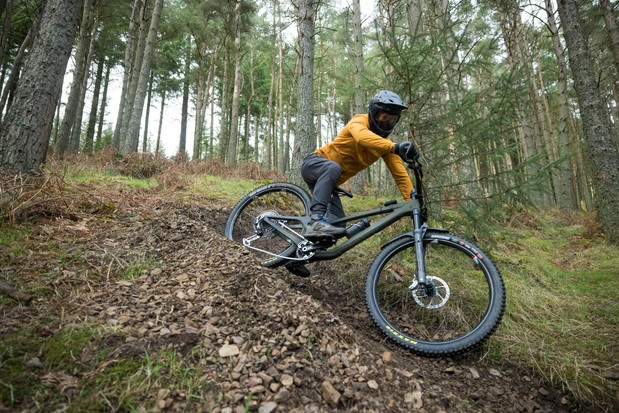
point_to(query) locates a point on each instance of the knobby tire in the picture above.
(280, 198)
(464, 320)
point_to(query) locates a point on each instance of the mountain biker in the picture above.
(362, 141)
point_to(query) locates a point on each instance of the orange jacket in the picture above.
(356, 147)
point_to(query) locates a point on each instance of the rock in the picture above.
(257, 389)
(265, 378)
(254, 381)
(373, 385)
(286, 380)
(387, 357)
(34, 362)
(228, 350)
(330, 394)
(282, 396)
(474, 372)
(414, 398)
(495, 372)
(267, 407)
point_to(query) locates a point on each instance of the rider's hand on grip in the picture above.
(407, 151)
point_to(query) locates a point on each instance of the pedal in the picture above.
(319, 238)
(298, 269)
(323, 242)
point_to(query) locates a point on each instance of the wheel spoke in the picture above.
(454, 310)
(272, 200)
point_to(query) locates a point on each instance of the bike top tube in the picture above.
(394, 213)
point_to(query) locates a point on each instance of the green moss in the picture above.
(111, 179)
(230, 190)
(60, 351)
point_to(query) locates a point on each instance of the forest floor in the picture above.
(149, 307)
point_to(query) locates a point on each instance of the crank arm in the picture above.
(247, 243)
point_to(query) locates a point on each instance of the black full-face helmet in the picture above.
(389, 102)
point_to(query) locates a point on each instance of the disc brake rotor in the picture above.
(260, 227)
(433, 295)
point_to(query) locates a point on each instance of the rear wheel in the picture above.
(278, 198)
(459, 307)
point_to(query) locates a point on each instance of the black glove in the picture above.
(407, 151)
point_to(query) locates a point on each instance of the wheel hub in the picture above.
(260, 227)
(433, 295)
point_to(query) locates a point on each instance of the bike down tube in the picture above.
(398, 212)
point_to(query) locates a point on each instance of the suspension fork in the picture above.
(419, 232)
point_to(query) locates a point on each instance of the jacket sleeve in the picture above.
(359, 129)
(400, 175)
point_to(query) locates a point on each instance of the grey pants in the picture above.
(321, 175)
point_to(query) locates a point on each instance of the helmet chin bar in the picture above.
(387, 102)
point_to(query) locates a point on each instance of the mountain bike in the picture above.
(427, 290)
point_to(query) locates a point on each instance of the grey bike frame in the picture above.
(394, 213)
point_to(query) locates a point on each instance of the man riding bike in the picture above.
(359, 144)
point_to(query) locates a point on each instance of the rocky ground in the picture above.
(264, 340)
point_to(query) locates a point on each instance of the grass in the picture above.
(561, 320)
(109, 178)
(83, 369)
(230, 191)
(562, 316)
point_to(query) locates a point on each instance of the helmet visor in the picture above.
(386, 121)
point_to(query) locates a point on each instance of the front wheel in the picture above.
(459, 307)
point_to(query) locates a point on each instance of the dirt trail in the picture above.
(265, 340)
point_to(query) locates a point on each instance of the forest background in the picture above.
(513, 105)
(509, 104)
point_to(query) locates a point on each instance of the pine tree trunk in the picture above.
(11, 82)
(205, 78)
(92, 117)
(249, 103)
(305, 136)
(106, 85)
(133, 130)
(511, 26)
(149, 98)
(130, 52)
(26, 129)
(611, 30)
(269, 131)
(224, 126)
(414, 14)
(602, 153)
(238, 62)
(137, 57)
(358, 182)
(182, 144)
(76, 132)
(63, 140)
(5, 29)
(281, 133)
(565, 186)
(158, 147)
